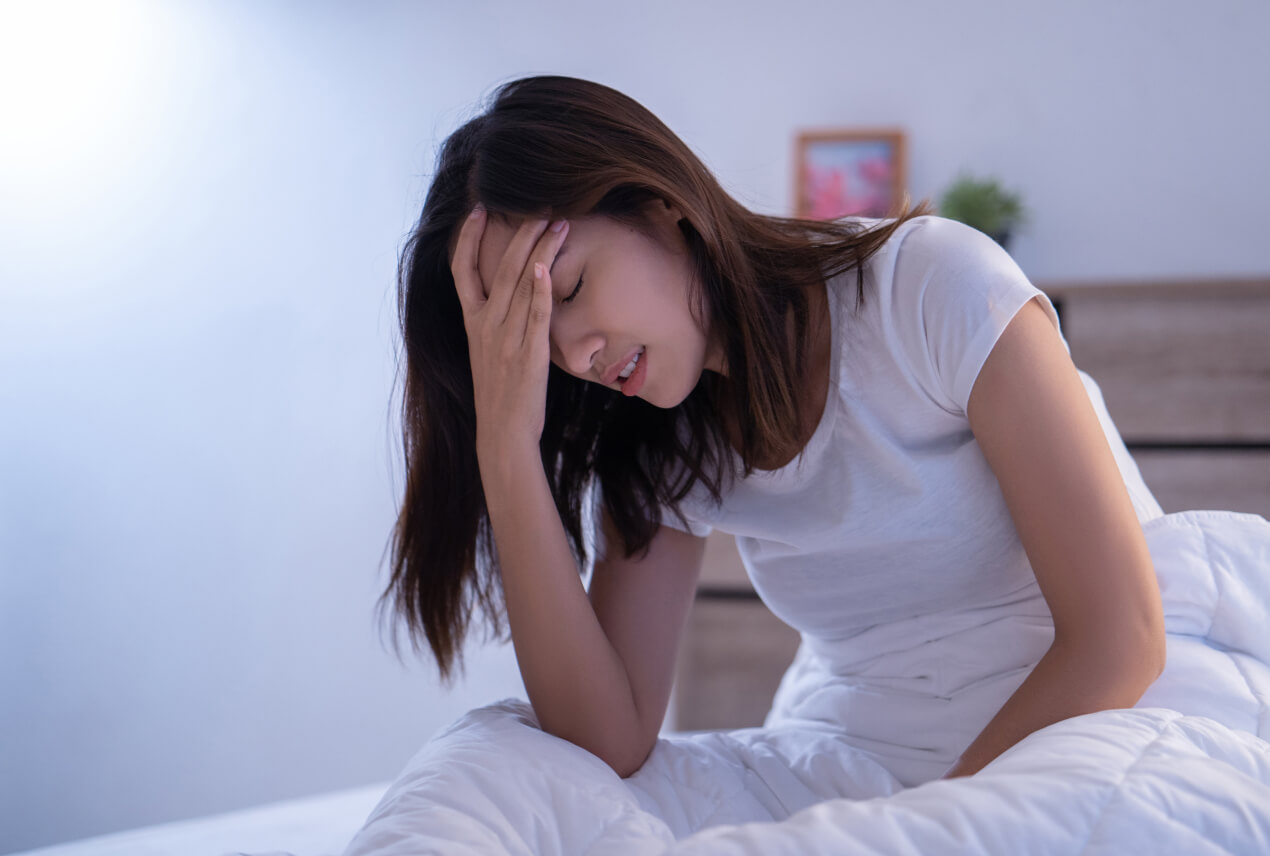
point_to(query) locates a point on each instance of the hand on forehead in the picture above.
(494, 242)
(495, 238)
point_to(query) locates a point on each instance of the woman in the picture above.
(883, 411)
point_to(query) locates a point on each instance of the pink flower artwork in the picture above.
(847, 178)
(826, 190)
(875, 170)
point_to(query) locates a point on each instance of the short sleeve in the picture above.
(954, 292)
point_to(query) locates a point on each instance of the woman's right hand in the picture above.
(507, 324)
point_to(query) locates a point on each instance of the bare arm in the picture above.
(576, 682)
(643, 606)
(1041, 436)
(597, 674)
(597, 677)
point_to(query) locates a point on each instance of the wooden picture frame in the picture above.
(849, 172)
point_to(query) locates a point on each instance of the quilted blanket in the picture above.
(1185, 771)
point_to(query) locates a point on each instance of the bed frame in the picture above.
(1184, 368)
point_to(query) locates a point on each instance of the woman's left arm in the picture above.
(1039, 432)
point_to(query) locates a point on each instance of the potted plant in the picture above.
(985, 205)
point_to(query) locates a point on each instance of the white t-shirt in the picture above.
(891, 511)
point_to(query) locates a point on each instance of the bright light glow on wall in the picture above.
(71, 79)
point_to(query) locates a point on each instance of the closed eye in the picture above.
(576, 289)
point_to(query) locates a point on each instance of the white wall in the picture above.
(198, 457)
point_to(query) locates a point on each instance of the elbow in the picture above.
(1137, 646)
(1123, 660)
(1153, 649)
(623, 756)
(628, 750)
(613, 746)
(1159, 645)
(625, 771)
(1149, 658)
(630, 765)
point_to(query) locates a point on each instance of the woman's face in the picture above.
(633, 297)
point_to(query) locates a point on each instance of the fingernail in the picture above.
(477, 211)
(557, 226)
(539, 270)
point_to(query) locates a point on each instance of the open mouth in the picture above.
(632, 378)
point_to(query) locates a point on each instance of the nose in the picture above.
(578, 355)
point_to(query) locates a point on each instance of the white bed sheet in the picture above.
(1187, 771)
(321, 825)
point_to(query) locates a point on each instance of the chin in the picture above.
(662, 404)
(669, 402)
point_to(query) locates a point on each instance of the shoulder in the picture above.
(931, 238)
(946, 291)
(937, 261)
(931, 250)
(922, 231)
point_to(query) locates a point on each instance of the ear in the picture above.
(668, 212)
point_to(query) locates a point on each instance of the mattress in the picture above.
(320, 825)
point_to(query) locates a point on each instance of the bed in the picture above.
(321, 825)
(315, 826)
(1185, 370)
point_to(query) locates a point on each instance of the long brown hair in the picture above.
(564, 147)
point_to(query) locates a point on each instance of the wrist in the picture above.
(497, 441)
(505, 457)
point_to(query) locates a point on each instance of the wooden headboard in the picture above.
(1184, 369)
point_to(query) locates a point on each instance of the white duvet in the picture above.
(1186, 771)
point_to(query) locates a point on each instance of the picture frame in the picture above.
(849, 172)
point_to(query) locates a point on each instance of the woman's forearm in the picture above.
(1065, 683)
(575, 679)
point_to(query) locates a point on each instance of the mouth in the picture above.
(615, 373)
(634, 381)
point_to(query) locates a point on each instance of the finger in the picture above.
(539, 321)
(515, 270)
(544, 253)
(467, 279)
